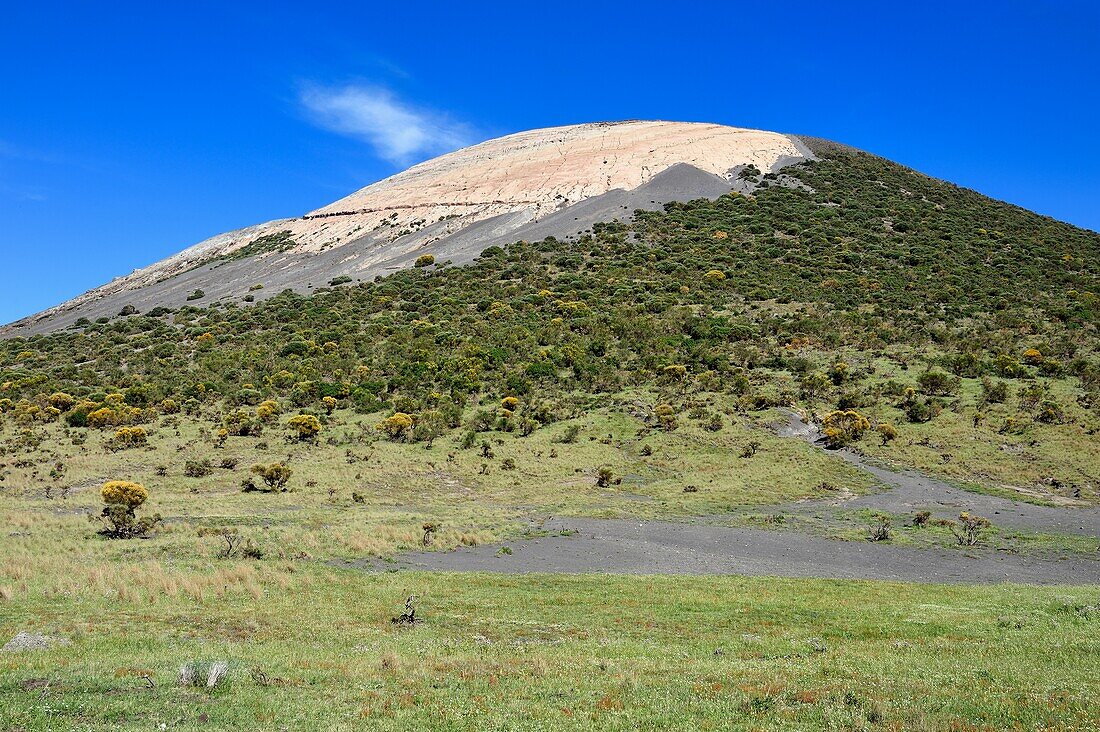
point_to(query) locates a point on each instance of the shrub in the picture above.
(121, 499)
(424, 260)
(248, 395)
(938, 383)
(268, 410)
(1051, 367)
(236, 544)
(1050, 412)
(329, 404)
(429, 425)
(880, 530)
(274, 476)
(1033, 357)
(843, 428)
(887, 432)
(920, 518)
(128, 437)
(240, 424)
(918, 409)
(305, 426)
(396, 426)
(198, 468)
(853, 400)
(968, 531)
(675, 372)
(965, 364)
(124, 493)
(101, 417)
(813, 384)
(61, 400)
(994, 392)
(196, 295)
(604, 477)
(570, 435)
(839, 372)
(666, 417)
(1008, 367)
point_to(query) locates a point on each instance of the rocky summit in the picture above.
(556, 181)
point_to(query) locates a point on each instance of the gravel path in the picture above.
(658, 547)
(696, 548)
(910, 491)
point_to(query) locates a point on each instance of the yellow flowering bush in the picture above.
(121, 498)
(843, 427)
(1033, 356)
(397, 426)
(268, 410)
(666, 417)
(125, 493)
(129, 437)
(306, 426)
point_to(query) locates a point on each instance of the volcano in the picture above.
(557, 181)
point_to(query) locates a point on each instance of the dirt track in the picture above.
(910, 491)
(657, 547)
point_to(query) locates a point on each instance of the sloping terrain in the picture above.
(201, 483)
(709, 546)
(551, 182)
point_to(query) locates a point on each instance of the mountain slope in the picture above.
(847, 282)
(452, 207)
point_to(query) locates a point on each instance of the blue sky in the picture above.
(131, 131)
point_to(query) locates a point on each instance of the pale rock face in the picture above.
(527, 176)
(540, 171)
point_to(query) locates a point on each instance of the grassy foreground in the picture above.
(312, 647)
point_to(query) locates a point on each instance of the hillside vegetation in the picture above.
(882, 291)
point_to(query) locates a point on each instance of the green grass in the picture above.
(401, 486)
(311, 644)
(561, 652)
(1040, 462)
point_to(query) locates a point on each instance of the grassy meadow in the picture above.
(313, 647)
(311, 644)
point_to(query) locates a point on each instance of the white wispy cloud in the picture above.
(399, 132)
